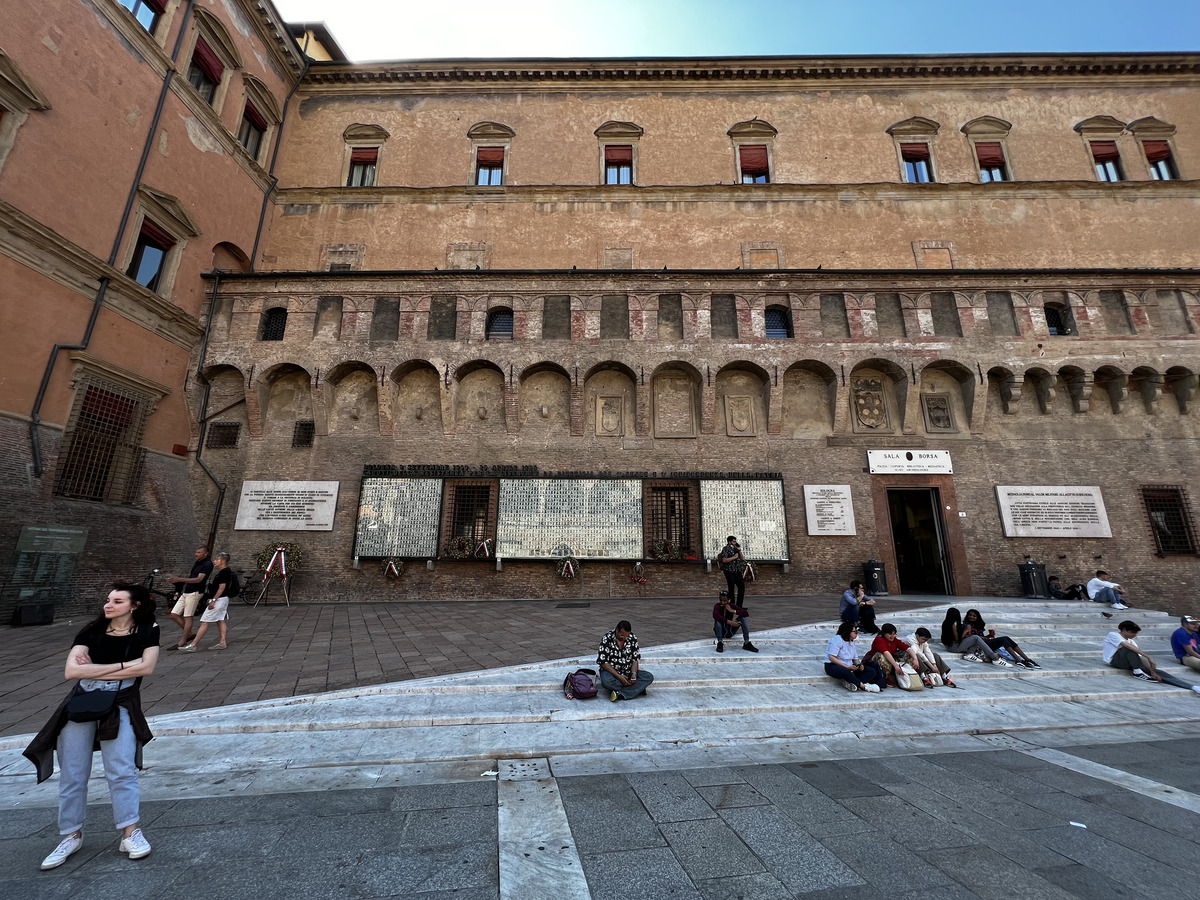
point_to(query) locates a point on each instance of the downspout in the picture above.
(203, 418)
(35, 419)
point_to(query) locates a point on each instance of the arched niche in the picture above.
(417, 407)
(354, 399)
(1076, 386)
(285, 398)
(947, 397)
(226, 395)
(229, 257)
(545, 399)
(809, 395)
(610, 399)
(1039, 392)
(674, 398)
(743, 395)
(878, 393)
(479, 404)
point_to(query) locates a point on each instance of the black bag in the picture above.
(90, 706)
(235, 586)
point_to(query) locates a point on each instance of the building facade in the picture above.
(935, 312)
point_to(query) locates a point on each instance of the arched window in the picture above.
(500, 324)
(779, 322)
(274, 324)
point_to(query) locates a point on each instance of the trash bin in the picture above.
(1033, 580)
(33, 614)
(875, 578)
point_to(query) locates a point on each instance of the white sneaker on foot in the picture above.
(69, 845)
(135, 845)
(1002, 663)
(1119, 606)
(871, 688)
(1138, 673)
(850, 686)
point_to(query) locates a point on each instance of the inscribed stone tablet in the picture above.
(398, 517)
(584, 518)
(752, 510)
(287, 506)
(829, 509)
(1052, 511)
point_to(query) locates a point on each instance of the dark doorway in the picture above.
(921, 560)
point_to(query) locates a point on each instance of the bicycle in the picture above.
(148, 584)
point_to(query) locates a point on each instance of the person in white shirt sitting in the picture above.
(1122, 652)
(933, 671)
(1101, 590)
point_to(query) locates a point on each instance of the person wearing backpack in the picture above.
(224, 584)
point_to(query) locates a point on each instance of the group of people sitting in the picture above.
(1098, 590)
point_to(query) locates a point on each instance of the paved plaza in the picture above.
(737, 776)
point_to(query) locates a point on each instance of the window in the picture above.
(1059, 321)
(778, 322)
(669, 522)
(1001, 315)
(443, 319)
(754, 164)
(614, 316)
(489, 166)
(670, 317)
(222, 435)
(916, 159)
(302, 433)
(1162, 164)
(618, 164)
(145, 11)
(273, 324)
(1107, 160)
(1170, 519)
(362, 166)
(102, 456)
(556, 318)
(470, 513)
(499, 325)
(723, 316)
(835, 323)
(943, 307)
(990, 155)
(252, 130)
(205, 71)
(149, 255)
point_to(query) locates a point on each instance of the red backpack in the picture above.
(580, 684)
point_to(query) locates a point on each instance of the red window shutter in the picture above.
(490, 156)
(617, 155)
(914, 152)
(256, 118)
(157, 235)
(1105, 151)
(364, 156)
(754, 159)
(990, 154)
(208, 61)
(1156, 151)
(159, 6)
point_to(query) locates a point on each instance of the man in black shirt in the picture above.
(191, 590)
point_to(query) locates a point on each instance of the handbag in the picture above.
(90, 706)
(580, 685)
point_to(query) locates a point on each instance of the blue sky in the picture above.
(402, 29)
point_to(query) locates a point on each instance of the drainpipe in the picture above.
(203, 419)
(35, 418)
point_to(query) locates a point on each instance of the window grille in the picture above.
(470, 512)
(779, 323)
(222, 435)
(668, 519)
(274, 324)
(1170, 519)
(500, 325)
(302, 433)
(102, 457)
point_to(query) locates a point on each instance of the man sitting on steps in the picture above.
(727, 616)
(1122, 652)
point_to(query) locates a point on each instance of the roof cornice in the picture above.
(750, 69)
(276, 36)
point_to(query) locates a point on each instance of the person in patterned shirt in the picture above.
(618, 660)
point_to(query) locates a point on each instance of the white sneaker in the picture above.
(1002, 663)
(936, 679)
(1196, 688)
(1119, 606)
(871, 688)
(850, 686)
(135, 845)
(69, 845)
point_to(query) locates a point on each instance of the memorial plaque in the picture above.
(36, 539)
(909, 462)
(398, 517)
(287, 506)
(1064, 511)
(540, 518)
(752, 510)
(829, 509)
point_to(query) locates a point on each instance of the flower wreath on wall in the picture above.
(484, 550)
(567, 568)
(281, 557)
(664, 551)
(393, 568)
(638, 575)
(457, 548)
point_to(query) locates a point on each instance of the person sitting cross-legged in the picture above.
(889, 653)
(842, 662)
(618, 660)
(727, 616)
(1185, 642)
(933, 670)
(1122, 652)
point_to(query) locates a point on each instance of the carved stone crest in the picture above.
(610, 416)
(739, 416)
(939, 414)
(870, 406)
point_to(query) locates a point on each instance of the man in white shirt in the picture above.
(1122, 652)
(1101, 590)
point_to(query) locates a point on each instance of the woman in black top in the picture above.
(111, 654)
(973, 624)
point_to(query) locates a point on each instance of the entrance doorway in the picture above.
(922, 564)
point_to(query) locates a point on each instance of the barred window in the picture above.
(102, 457)
(670, 516)
(779, 322)
(222, 435)
(1170, 519)
(500, 324)
(274, 324)
(470, 512)
(302, 433)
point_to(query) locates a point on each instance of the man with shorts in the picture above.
(191, 589)
(224, 585)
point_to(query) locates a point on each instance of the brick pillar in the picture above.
(644, 422)
(842, 423)
(253, 411)
(512, 408)
(386, 393)
(708, 408)
(449, 394)
(321, 400)
(578, 419)
(775, 409)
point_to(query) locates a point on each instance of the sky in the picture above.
(403, 29)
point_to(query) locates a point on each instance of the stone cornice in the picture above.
(275, 35)
(46, 252)
(475, 73)
(741, 193)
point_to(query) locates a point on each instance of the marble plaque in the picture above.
(829, 509)
(287, 506)
(739, 416)
(398, 517)
(1067, 511)
(540, 518)
(909, 462)
(65, 539)
(752, 510)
